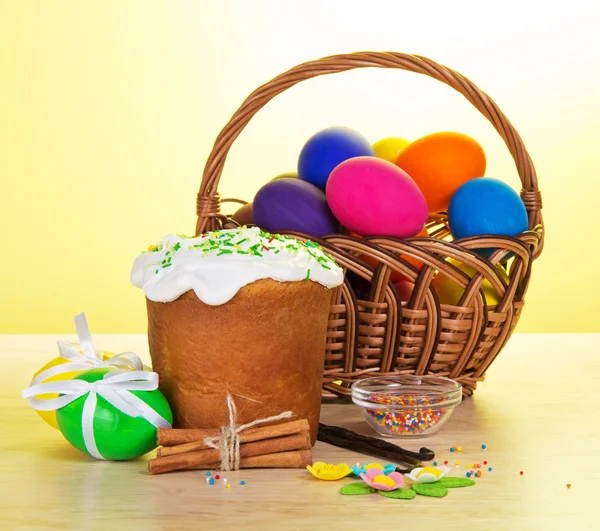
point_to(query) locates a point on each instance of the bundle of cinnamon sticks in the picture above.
(284, 445)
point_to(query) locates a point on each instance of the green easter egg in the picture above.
(118, 436)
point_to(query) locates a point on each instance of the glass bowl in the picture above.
(406, 406)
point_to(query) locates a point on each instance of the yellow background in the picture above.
(108, 111)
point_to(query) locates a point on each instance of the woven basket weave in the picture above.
(374, 333)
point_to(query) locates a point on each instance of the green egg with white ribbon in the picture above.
(109, 413)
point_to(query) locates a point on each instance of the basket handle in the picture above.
(208, 204)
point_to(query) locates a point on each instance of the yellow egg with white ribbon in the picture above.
(76, 358)
(54, 376)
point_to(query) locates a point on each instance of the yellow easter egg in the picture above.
(50, 416)
(449, 292)
(389, 148)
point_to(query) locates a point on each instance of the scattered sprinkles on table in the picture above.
(417, 420)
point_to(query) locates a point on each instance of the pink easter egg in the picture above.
(374, 197)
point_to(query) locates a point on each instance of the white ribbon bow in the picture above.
(90, 359)
(115, 388)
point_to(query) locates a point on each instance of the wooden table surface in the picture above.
(537, 412)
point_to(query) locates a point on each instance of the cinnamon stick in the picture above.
(176, 437)
(264, 446)
(207, 457)
(294, 459)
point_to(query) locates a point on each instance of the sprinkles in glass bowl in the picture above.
(407, 406)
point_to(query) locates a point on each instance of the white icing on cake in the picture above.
(217, 264)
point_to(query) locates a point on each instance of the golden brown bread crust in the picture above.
(266, 347)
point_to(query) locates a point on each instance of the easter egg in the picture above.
(389, 148)
(287, 175)
(395, 276)
(372, 196)
(440, 163)
(326, 149)
(243, 215)
(404, 289)
(486, 206)
(117, 435)
(449, 292)
(361, 286)
(49, 417)
(295, 205)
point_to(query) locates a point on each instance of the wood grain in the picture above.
(536, 412)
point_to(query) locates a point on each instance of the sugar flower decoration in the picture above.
(329, 472)
(377, 479)
(428, 474)
(385, 470)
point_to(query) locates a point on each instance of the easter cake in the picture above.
(240, 312)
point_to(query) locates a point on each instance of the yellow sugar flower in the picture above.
(329, 472)
(373, 465)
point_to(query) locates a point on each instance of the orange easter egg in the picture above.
(440, 163)
(404, 289)
(395, 276)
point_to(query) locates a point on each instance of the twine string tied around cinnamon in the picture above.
(228, 442)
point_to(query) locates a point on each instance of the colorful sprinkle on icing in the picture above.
(217, 264)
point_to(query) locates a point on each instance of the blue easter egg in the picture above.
(292, 204)
(326, 149)
(486, 206)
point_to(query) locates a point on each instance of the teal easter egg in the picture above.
(486, 206)
(118, 436)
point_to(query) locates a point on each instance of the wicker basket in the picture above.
(375, 333)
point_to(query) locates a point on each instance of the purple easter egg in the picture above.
(295, 205)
